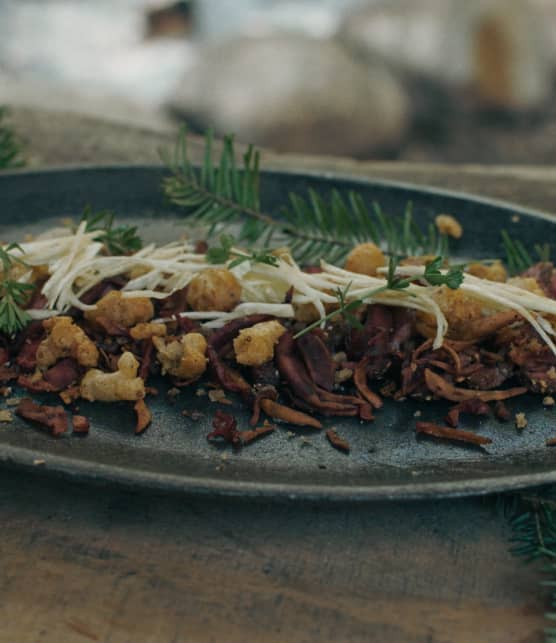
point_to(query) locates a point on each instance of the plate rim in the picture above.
(22, 458)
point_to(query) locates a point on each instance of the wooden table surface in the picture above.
(100, 564)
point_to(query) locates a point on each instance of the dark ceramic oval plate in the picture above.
(387, 461)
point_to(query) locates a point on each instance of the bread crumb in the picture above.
(343, 375)
(447, 224)
(39, 462)
(548, 400)
(515, 218)
(520, 421)
(417, 414)
(13, 401)
(6, 416)
(200, 392)
(219, 395)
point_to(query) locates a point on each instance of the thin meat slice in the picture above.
(360, 381)
(291, 416)
(318, 360)
(52, 418)
(144, 416)
(440, 387)
(473, 406)
(447, 433)
(80, 424)
(337, 442)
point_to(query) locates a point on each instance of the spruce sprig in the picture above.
(10, 146)
(532, 518)
(518, 259)
(118, 240)
(221, 193)
(13, 294)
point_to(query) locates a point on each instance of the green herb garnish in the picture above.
(119, 240)
(518, 259)
(13, 294)
(224, 252)
(10, 146)
(432, 275)
(453, 278)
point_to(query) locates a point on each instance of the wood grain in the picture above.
(114, 566)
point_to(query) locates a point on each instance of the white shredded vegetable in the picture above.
(75, 264)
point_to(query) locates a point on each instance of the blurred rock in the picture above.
(294, 94)
(404, 33)
(172, 20)
(500, 48)
(497, 48)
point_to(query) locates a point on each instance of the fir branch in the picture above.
(10, 146)
(13, 294)
(518, 259)
(221, 193)
(532, 518)
(118, 240)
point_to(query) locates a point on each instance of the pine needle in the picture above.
(518, 259)
(10, 146)
(220, 193)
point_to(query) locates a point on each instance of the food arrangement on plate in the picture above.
(336, 309)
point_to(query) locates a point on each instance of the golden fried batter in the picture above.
(365, 259)
(123, 384)
(65, 339)
(214, 289)
(122, 311)
(145, 330)
(184, 358)
(447, 224)
(255, 345)
(493, 272)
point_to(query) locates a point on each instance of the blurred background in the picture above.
(468, 81)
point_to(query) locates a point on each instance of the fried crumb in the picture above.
(13, 401)
(548, 400)
(290, 435)
(339, 357)
(6, 416)
(305, 442)
(173, 392)
(6, 390)
(343, 375)
(520, 421)
(551, 373)
(515, 218)
(39, 462)
(417, 414)
(200, 392)
(447, 224)
(218, 395)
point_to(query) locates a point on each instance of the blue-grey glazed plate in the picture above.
(387, 460)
